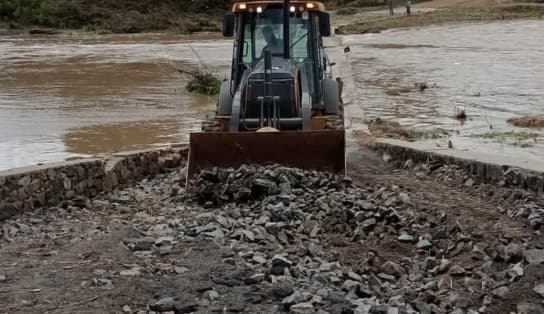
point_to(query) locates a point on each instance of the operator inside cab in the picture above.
(273, 44)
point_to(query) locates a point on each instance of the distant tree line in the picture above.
(130, 15)
(105, 13)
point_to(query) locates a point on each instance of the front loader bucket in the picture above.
(313, 150)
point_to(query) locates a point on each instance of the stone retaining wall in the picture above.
(47, 185)
(480, 171)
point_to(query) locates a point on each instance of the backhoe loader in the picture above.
(281, 104)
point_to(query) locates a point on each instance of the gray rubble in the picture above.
(299, 242)
(293, 213)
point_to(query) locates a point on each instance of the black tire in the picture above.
(331, 96)
(211, 125)
(224, 102)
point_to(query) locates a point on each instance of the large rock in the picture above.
(529, 308)
(141, 244)
(185, 306)
(281, 290)
(7, 210)
(163, 305)
(405, 237)
(463, 302)
(512, 253)
(295, 298)
(534, 256)
(424, 244)
(501, 292)
(302, 308)
(392, 268)
(539, 289)
(279, 264)
(516, 271)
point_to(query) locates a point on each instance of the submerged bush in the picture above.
(204, 83)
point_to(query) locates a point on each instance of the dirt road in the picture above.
(436, 13)
(440, 4)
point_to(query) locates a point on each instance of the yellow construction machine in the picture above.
(281, 104)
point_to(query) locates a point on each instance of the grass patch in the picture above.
(520, 136)
(204, 83)
(521, 139)
(536, 121)
(392, 129)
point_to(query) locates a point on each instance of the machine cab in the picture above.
(259, 26)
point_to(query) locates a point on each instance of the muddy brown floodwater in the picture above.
(80, 95)
(492, 71)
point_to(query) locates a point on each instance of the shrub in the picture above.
(7, 9)
(204, 83)
(114, 15)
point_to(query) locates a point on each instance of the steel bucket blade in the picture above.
(314, 150)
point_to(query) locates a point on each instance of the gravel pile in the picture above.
(516, 203)
(254, 183)
(283, 222)
(307, 202)
(292, 241)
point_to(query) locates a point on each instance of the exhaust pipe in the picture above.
(286, 29)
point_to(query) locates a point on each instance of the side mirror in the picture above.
(324, 24)
(228, 25)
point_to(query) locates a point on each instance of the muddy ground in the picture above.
(91, 256)
(375, 22)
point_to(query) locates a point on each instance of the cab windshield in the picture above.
(265, 32)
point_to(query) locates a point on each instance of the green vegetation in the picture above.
(127, 16)
(534, 121)
(521, 139)
(520, 136)
(392, 129)
(132, 16)
(204, 83)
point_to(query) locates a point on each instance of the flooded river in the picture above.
(79, 95)
(492, 71)
(66, 96)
